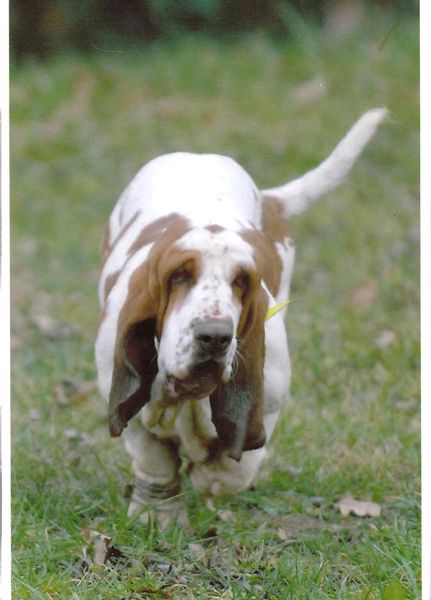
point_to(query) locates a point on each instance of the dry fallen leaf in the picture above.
(359, 508)
(71, 391)
(363, 296)
(103, 550)
(101, 543)
(51, 328)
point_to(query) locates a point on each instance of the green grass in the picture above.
(81, 127)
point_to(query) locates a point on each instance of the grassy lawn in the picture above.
(81, 127)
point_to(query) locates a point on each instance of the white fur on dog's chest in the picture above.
(187, 424)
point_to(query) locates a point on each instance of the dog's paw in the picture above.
(163, 516)
(225, 476)
(157, 509)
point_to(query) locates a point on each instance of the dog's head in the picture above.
(195, 314)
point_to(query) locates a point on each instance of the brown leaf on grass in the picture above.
(363, 296)
(71, 391)
(101, 544)
(359, 508)
(103, 550)
(51, 328)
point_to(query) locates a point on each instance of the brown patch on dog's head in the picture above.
(140, 321)
(153, 231)
(274, 224)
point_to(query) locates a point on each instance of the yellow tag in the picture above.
(275, 309)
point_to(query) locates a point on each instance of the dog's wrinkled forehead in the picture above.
(221, 251)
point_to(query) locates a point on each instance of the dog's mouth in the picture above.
(200, 383)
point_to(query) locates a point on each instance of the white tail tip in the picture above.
(297, 195)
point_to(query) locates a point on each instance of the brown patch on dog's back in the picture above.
(274, 225)
(267, 259)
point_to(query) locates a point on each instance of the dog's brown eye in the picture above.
(242, 281)
(180, 276)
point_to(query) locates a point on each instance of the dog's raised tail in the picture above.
(297, 195)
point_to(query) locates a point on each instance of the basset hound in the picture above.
(194, 258)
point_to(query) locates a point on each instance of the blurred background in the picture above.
(43, 28)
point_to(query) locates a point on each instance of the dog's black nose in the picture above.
(213, 337)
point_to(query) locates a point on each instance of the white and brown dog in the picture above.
(190, 365)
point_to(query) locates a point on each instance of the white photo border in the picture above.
(425, 147)
(5, 576)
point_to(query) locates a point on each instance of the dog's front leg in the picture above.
(157, 481)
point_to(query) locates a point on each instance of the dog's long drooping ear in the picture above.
(135, 359)
(135, 367)
(237, 407)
